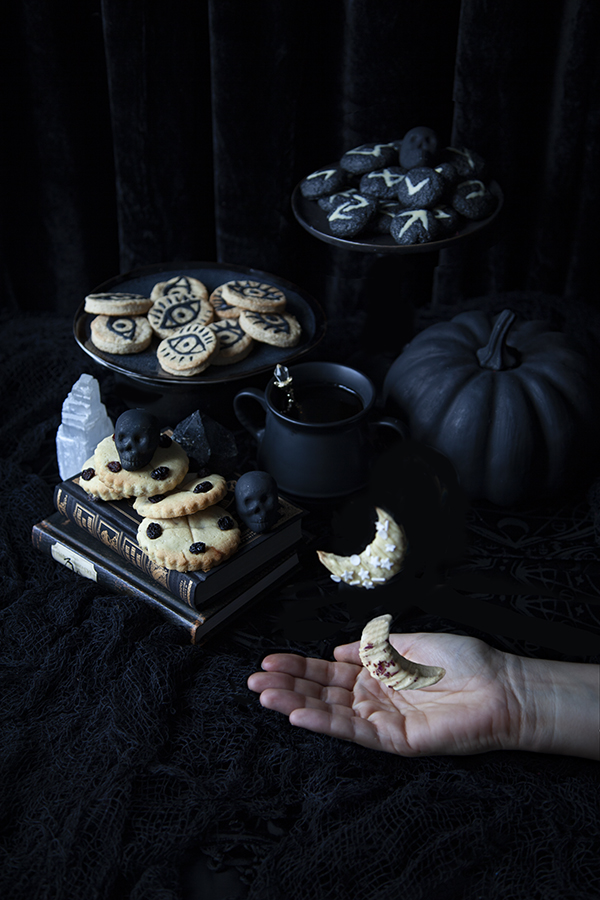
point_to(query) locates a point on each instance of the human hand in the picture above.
(473, 709)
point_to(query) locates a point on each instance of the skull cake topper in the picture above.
(257, 501)
(136, 437)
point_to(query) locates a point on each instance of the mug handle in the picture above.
(391, 422)
(242, 407)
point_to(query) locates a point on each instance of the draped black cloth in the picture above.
(144, 133)
(138, 133)
(135, 765)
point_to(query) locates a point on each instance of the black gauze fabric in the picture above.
(135, 765)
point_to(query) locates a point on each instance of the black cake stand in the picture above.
(314, 220)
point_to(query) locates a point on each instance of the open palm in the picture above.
(471, 710)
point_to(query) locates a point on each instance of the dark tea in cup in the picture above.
(317, 403)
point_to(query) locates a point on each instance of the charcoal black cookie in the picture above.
(330, 203)
(368, 157)
(448, 173)
(419, 147)
(386, 210)
(323, 182)
(473, 199)
(382, 184)
(352, 217)
(421, 188)
(414, 226)
(467, 163)
(448, 219)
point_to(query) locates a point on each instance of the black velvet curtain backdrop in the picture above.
(145, 132)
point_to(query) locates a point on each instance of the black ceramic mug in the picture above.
(322, 447)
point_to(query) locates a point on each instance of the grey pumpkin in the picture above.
(513, 405)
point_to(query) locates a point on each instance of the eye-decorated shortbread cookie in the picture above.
(121, 334)
(222, 309)
(117, 303)
(278, 329)
(167, 468)
(234, 343)
(189, 351)
(255, 295)
(93, 486)
(182, 286)
(169, 314)
(193, 494)
(190, 543)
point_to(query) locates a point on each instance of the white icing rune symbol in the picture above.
(480, 192)
(374, 151)
(323, 173)
(348, 207)
(413, 217)
(413, 188)
(467, 156)
(390, 178)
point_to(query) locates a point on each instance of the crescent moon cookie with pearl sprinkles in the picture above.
(377, 563)
(189, 351)
(254, 295)
(383, 662)
(190, 543)
(278, 329)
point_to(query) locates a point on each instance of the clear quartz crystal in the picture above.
(283, 380)
(84, 424)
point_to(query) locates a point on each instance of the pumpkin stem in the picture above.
(496, 354)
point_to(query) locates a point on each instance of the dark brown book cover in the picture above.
(78, 550)
(115, 524)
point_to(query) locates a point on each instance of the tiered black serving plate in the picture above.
(142, 380)
(310, 215)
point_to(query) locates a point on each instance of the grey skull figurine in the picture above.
(419, 147)
(257, 501)
(137, 434)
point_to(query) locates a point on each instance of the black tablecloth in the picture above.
(135, 765)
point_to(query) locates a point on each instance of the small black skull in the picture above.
(256, 501)
(136, 437)
(419, 147)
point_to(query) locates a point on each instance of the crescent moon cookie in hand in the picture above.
(379, 561)
(385, 664)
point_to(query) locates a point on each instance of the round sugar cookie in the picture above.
(234, 343)
(222, 309)
(117, 303)
(169, 314)
(255, 295)
(189, 350)
(167, 468)
(92, 485)
(184, 287)
(190, 543)
(278, 329)
(121, 334)
(193, 494)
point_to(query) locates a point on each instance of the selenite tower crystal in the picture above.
(84, 424)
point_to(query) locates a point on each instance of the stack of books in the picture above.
(98, 539)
